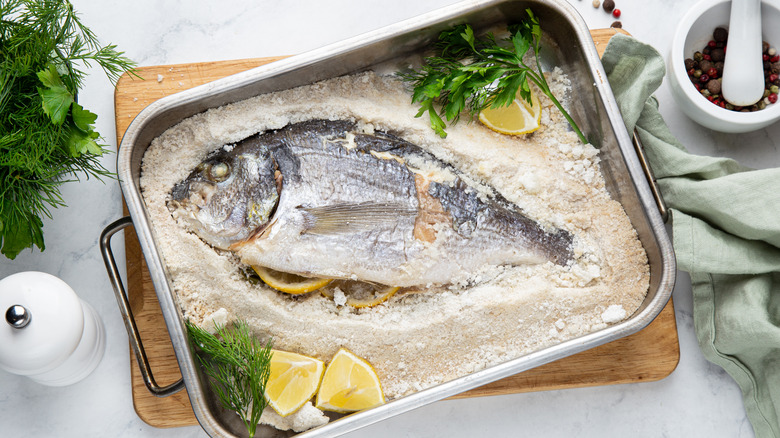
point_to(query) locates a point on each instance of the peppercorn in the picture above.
(771, 51)
(596, 3)
(713, 73)
(619, 25)
(713, 86)
(720, 34)
(704, 78)
(764, 46)
(774, 89)
(773, 77)
(774, 58)
(705, 65)
(697, 73)
(688, 61)
(616, 13)
(772, 98)
(775, 67)
(608, 5)
(718, 54)
(697, 56)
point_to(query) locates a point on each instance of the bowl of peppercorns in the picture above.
(695, 68)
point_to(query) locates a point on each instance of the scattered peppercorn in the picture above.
(616, 13)
(596, 3)
(617, 25)
(608, 5)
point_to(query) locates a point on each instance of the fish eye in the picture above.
(219, 172)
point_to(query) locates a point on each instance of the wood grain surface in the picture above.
(651, 354)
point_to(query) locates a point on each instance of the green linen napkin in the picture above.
(726, 234)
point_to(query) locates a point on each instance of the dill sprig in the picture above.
(239, 367)
(473, 73)
(46, 137)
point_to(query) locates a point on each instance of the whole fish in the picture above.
(326, 199)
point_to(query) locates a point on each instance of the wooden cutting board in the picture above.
(648, 355)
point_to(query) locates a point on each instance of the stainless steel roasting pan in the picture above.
(567, 43)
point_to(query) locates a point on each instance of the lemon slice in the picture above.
(293, 381)
(520, 117)
(360, 294)
(349, 384)
(289, 283)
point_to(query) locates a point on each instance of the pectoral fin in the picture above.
(351, 218)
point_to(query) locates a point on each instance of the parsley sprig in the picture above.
(46, 137)
(473, 73)
(239, 367)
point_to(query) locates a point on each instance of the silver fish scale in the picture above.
(375, 198)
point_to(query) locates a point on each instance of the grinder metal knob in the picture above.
(17, 316)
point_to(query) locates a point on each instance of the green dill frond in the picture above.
(44, 49)
(239, 366)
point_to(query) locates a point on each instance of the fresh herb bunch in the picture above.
(474, 73)
(239, 366)
(46, 137)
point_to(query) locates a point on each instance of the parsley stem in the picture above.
(473, 73)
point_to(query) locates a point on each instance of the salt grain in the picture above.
(614, 313)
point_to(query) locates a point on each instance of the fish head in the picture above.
(229, 197)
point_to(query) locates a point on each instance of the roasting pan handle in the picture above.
(127, 313)
(659, 199)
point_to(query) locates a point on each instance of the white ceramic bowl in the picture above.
(692, 34)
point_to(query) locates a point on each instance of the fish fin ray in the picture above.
(352, 217)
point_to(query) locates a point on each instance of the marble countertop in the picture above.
(697, 399)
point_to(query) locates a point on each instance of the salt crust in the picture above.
(304, 418)
(416, 340)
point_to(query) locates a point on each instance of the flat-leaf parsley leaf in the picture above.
(473, 73)
(46, 137)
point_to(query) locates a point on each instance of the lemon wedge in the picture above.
(520, 117)
(360, 294)
(349, 384)
(293, 381)
(289, 283)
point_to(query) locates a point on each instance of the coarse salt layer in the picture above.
(415, 340)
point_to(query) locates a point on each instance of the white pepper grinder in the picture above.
(49, 334)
